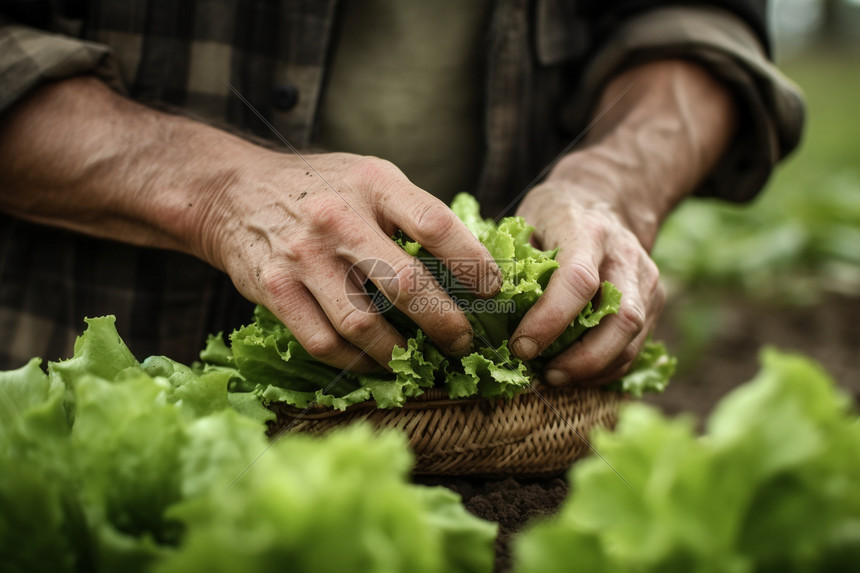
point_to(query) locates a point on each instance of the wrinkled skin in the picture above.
(293, 253)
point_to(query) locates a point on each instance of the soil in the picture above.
(828, 331)
(510, 502)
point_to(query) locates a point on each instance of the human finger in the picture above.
(427, 220)
(413, 289)
(352, 314)
(303, 315)
(570, 288)
(611, 346)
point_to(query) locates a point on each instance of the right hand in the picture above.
(288, 235)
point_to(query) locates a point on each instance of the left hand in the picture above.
(589, 224)
(662, 127)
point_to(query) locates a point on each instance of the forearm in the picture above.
(658, 130)
(293, 238)
(76, 155)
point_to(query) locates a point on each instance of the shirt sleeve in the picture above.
(771, 107)
(30, 56)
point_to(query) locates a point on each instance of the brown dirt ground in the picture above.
(828, 332)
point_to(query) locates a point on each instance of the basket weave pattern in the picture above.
(539, 432)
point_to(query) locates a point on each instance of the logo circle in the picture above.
(361, 285)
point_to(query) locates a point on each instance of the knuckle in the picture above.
(627, 356)
(370, 172)
(651, 267)
(598, 224)
(631, 319)
(434, 221)
(357, 324)
(652, 273)
(323, 345)
(331, 216)
(278, 286)
(580, 279)
(301, 247)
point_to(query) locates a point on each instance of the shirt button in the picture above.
(285, 97)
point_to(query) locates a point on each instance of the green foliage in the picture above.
(793, 244)
(159, 471)
(770, 487)
(339, 505)
(799, 239)
(650, 372)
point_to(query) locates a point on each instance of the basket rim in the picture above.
(431, 398)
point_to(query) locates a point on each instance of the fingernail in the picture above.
(461, 344)
(491, 283)
(525, 348)
(556, 377)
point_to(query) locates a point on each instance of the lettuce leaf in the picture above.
(771, 486)
(339, 504)
(39, 517)
(650, 372)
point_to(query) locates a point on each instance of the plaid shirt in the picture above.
(546, 62)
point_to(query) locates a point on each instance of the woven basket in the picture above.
(537, 433)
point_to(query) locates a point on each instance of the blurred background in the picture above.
(784, 270)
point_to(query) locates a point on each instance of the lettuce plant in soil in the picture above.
(108, 464)
(771, 486)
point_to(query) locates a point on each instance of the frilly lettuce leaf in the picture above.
(650, 372)
(496, 373)
(415, 367)
(36, 509)
(24, 395)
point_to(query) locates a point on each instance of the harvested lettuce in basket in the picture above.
(270, 363)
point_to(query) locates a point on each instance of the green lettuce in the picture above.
(40, 520)
(342, 504)
(650, 372)
(771, 486)
(109, 464)
(270, 364)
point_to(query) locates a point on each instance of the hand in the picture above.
(295, 238)
(662, 128)
(595, 243)
(289, 241)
